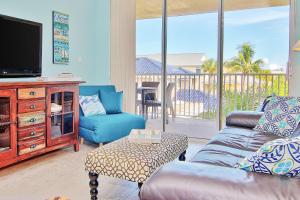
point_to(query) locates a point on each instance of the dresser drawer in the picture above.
(31, 145)
(31, 93)
(33, 132)
(30, 119)
(31, 106)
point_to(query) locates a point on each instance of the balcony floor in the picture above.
(194, 128)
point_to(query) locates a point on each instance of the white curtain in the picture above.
(122, 50)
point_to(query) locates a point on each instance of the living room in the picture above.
(136, 99)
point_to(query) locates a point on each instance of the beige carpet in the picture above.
(61, 173)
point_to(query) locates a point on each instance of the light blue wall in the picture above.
(89, 34)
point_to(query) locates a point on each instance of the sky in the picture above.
(267, 29)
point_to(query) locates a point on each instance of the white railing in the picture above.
(195, 94)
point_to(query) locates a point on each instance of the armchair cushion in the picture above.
(112, 101)
(91, 105)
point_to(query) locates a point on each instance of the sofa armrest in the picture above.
(246, 119)
(193, 181)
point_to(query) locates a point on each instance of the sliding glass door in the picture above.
(256, 52)
(149, 67)
(191, 89)
(209, 58)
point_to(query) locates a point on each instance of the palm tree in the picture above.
(243, 62)
(209, 66)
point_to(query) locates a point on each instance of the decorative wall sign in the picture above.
(60, 38)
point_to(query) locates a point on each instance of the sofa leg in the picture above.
(81, 140)
(182, 156)
(93, 185)
(101, 144)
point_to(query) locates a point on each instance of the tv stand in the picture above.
(36, 118)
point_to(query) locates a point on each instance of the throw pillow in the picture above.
(281, 157)
(91, 105)
(281, 117)
(112, 101)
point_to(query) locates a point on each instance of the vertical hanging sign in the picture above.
(60, 38)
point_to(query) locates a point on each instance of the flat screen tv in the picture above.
(20, 48)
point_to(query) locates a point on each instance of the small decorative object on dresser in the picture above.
(37, 117)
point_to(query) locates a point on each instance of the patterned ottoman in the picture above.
(133, 161)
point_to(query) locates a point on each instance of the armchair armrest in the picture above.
(194, 181)
(246, 119)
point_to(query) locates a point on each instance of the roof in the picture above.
(181, 59)
(147, 9)
(149, 66)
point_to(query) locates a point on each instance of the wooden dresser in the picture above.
(36, 118)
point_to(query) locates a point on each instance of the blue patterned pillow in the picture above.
(91, 105)
(280, 157)
(281, 116)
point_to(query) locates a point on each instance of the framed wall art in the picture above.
(60, 38)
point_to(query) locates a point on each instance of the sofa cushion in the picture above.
(112, 101)
(246, 119)
(191, 181)
(281, 157)
(281, 116)
(111, 127)
(230, 145)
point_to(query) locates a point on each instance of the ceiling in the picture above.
(146, 9)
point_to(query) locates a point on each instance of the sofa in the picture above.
(211, 175)
(106, 128)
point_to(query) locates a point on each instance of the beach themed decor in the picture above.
(60, 38)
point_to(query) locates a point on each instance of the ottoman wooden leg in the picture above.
(182, 156)
(140, 185)
(93, 185)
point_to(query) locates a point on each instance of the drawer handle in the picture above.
(32, 93)
(33, 133)
(32, 120)
(33, 106)
(33, 146)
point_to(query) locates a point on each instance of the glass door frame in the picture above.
(11, 94)
(69, 137)
(220, 56)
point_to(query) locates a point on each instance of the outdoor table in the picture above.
(144, 91)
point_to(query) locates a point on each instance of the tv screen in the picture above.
(20, 47)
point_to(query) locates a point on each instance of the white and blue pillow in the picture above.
(281, 117)
(91, 105)
(280, 157)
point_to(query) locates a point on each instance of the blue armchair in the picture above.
(110, 127)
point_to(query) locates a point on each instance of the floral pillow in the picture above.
(281, 116)
(91, 105)
(280, 157)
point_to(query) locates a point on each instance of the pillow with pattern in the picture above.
(281, 117)
(280, 157)
(91, 105)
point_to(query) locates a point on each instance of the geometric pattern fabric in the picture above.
(135, 161)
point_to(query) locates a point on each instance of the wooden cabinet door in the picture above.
(8, 132)
(62, 115)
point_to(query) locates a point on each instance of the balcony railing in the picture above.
(195, 95)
